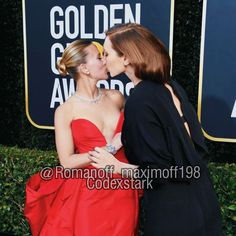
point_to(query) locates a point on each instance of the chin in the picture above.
(113, 74)
(106, 77)
(116, 72)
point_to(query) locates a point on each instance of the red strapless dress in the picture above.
(66, 207)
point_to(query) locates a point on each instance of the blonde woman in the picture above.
(91, 118)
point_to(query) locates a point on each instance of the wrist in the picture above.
(118, 167)
(111, 149)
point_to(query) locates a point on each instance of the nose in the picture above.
(104, 61)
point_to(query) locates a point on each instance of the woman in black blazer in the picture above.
(161, 131)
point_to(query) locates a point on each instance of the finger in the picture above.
(98, 149)
(94, 154)
(102, 151)
(94, 159)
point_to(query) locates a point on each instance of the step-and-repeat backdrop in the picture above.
(217, 82)
(49, 26)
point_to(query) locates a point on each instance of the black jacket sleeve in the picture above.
(144, 138)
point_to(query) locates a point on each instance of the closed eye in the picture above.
(105, 54)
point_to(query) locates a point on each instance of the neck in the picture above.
(87, 87)
(131, 75)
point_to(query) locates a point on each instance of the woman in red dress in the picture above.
(91, 118)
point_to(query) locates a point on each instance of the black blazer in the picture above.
(153, 132)
(154, 136)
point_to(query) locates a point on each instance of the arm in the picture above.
(151, 145)
(64, 141)
(144, 140)
(144, 137)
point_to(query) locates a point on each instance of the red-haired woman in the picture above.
(162, 137)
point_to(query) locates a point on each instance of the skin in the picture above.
(116, 65)
(103, 114)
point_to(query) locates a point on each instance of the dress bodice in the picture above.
(87, 136)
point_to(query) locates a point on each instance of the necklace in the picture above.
(90, 100)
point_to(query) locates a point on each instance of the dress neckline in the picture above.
(94, 125)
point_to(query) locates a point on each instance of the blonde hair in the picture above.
(146, 53)
(73, 56)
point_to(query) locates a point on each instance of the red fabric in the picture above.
(66, 207)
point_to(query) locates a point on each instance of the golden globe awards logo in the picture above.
(49, 26)
(71, 24)
(233, 115)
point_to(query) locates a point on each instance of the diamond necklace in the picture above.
(90, 100)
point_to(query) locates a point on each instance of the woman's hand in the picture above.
(101, 158)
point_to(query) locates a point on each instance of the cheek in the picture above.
(119, 65)
(116, 68)
(110, 62)
(107, 61)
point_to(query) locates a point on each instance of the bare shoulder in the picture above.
(116, 96)
(113, 93)
(63, 113)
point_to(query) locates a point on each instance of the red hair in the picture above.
(146, 53)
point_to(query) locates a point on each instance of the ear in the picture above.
(126, 61)
(83, 69)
